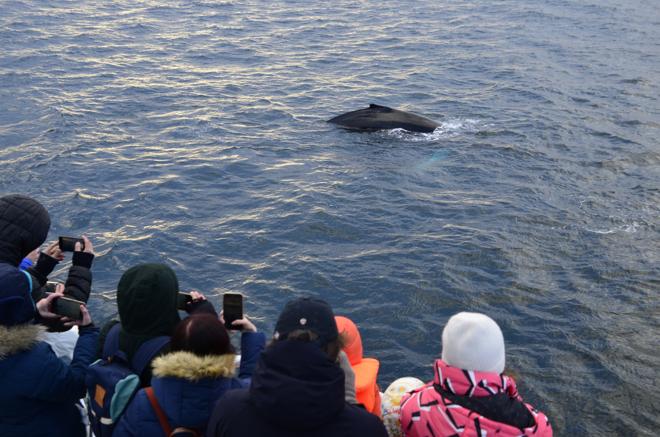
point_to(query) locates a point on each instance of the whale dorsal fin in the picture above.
(382, 108)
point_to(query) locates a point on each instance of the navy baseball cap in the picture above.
(307, 313)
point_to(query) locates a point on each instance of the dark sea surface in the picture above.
(193, 133)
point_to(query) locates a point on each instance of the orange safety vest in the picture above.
(365, 369)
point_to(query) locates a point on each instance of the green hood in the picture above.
(147, 303)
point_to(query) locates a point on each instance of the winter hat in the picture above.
(147, 304)
(397, 389)
(392, 403)
(24, 225)
(307, 313)
(473, 341)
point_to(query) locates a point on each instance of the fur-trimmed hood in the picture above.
(14, 339)
(186, 365)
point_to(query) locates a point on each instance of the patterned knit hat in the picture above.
(391, 403)
(473, 341)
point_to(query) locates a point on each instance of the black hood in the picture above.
(296, 386)
(24, 225)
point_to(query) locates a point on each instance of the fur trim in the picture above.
(14, 339)
(189, 366)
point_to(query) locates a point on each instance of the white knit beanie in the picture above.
(473, 341)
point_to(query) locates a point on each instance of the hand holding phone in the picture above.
(67, 307)
(232, 309)
(183, 299)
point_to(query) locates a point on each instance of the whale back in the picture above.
(377, 117)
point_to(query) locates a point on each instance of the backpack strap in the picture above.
(147, 351)
(143, 356)
(160, 414)
(111, 343)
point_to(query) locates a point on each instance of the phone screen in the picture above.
(67, 307)
(232, 308)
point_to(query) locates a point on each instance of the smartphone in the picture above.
(51, 285)
(68, 244)
(65, 306)
(182, 300)
(232, 308)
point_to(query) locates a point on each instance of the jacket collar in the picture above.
(186, 365)
(472, 383)
(14, 339)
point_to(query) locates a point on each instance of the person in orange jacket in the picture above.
(365, 369)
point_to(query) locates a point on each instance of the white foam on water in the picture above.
(630, 228)
(447, 129)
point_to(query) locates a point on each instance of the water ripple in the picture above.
(192, 132)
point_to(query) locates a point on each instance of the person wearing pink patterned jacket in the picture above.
(469, 396)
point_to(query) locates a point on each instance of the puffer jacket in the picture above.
(24, 225)
(38, 391)
(296, 391)
(470, 404)
(187, 387)
(79, 279)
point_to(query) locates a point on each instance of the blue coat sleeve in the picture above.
(61, 382)
(252, 343)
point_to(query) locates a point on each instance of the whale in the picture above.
(377, 117)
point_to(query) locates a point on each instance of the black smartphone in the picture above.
(65, 306)
(68, 244)
(182, 300)
(232, 308)
(51, 286)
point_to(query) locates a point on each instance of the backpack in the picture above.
(162, 419)
(113, 381)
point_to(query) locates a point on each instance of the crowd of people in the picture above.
(154, 373)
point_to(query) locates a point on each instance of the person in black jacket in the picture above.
(298, 386)
(24, 225)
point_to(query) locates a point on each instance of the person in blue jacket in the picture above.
(38, 392)
(188, 380)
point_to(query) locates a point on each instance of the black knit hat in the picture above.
(307, 313)
(24, 225)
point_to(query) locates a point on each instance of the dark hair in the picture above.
(332, 348)
(201, 334)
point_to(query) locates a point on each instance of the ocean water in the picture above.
(193, 133)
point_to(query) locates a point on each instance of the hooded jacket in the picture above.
(469, 403)
(147, 304)
(39, 391)
(24, 225)
(296, 391)
(187, 387)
